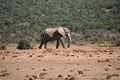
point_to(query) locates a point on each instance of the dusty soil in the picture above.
(75, 63)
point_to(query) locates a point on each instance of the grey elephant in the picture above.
(51, 34)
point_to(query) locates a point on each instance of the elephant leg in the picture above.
(57, 44)
(45, 45)
(40, 45)
(62, 42)
(68, 43)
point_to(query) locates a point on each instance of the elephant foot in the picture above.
(68, 46)
(64, 47)
(39, 47)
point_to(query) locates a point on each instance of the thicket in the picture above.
(24, 44)
(3, 47)
(96, 21)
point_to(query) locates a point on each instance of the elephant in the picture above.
(58, 33)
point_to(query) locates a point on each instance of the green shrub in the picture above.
(3, 47)
(24, 44)
(80, 42)
(117, 43)
(104, 44)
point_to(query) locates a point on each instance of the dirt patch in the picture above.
(74, 63)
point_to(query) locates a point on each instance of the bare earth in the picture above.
(75, 63)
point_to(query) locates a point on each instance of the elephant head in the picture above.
(51, 34)
(65, 32)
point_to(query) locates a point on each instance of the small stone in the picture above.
(115, 74)
(60, 75)
(108, 77)
(32, 68)
(26, 76)
(72, 78)
(107, 69)
(117, 68)
(98, 61)
(14, 56)
(90, 55)
(3, 57)
(69, 75)
(17, 68)
(80, 72)
(71, 70)
(44, 70)
(34, 76)
(110, 53)
(42, 74)
(66, 79)
(30, 79)
(109, 65)
(30, 56)
(5, 74)
(107, 60)
(40, 56)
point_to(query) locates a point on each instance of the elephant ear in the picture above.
(66, 30)
(61, 31)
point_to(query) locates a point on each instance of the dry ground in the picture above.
(75, 63)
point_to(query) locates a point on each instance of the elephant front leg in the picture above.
(57, 44)
(62, 42)
(40, 45)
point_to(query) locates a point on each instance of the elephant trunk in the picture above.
(69, 40)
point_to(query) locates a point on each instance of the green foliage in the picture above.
(80, 42)
(92, 19)
(116, 43)
(3, 47)
(24, 44)
(104, 44)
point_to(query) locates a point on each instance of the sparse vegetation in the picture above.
(24, 44)
(3, 47)
(96, 21)
(117, 43)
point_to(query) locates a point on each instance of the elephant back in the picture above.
(50, 31)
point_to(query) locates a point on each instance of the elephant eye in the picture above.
(67, 32)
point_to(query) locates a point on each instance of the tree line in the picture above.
(96, 21)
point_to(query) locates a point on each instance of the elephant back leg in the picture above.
(41, 45)
(45, 45)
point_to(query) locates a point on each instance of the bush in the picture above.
(3, 47)
(80, 42)
(117, 43)
(24, 44)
